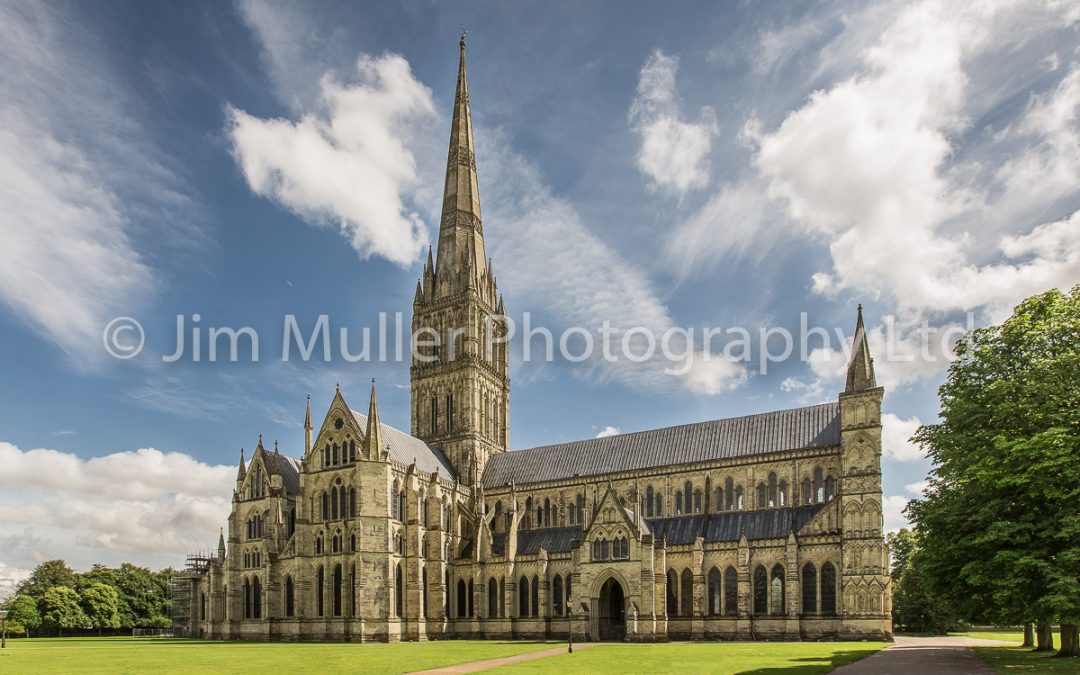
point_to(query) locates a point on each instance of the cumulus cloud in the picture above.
(918, 487)
(865, 165)
(10, 578)
(595, 283)
(895, 435)
(674, 152)
(77, 176)
(608, 431)
(349, 164)
(117, 506)
(892, 511)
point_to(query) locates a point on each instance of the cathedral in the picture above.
(760, 527)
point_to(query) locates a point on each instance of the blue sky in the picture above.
(709, 165)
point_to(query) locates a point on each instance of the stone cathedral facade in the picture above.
(759, 527)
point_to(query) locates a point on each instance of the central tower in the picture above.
(461, 383)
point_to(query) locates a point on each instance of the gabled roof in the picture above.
(405, 448)
(729, 526)
(815, 426)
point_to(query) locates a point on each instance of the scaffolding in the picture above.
(182, 589)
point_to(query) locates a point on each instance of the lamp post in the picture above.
(3, 628)
(569, 624)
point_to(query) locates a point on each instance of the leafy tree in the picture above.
(915, 607)
(999, 527)
(46, 575)
(60, 605)
(146, 592)
(100, 604)
(23, 610)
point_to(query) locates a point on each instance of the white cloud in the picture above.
(125, 505)
(608, 431)
(917, 488)
(77, 176)
(595, 283)
(865, 165)
(895, 435)
(10, 578)
(350, 164)
(674, 152)
(892, 507)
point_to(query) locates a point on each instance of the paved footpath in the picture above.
(477, 666)
(925, 656)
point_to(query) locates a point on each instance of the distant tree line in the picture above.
(997, 533)
(56, 600)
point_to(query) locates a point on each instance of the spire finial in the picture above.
(464, 32)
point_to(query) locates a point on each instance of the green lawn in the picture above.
(1024, 660)
(703, 657)
(1016, 659)
(154, 655)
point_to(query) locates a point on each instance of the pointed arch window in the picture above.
(819, 485)
(649, 507)
(731, 591)
(776, 593)
(256, 598)
(782, 494)
(319, 597)
(714, 592)
(337, 590)
(762, 497)
(807, 492)
(830, 488)
(461, 599)
(687, 593)
(739, 498)
(678, 503)
(399, 591)
(828, 588)
(809, 588)
(394, 502)
(773, 498)
(719, 500)
(697, 501)
(325, 506)
(761, 590)
(672, 593)
(493, 597)
(729, 493)
(556, 596)
(523, 596)
(535, 596)
(289, 597)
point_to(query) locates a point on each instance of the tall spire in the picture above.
(460, 221)
(374, 428)
(860, 374)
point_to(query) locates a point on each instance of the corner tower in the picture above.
(461, 383)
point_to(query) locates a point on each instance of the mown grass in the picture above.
(157, 655)
(803, 658)
(1024, 660)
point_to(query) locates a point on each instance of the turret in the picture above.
(241, 473)
(307, 427)
(373, 433)
(860, 374)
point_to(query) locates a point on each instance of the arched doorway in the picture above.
(612, 617)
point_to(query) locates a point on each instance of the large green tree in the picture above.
(100, 602)
(23, 610)
(914, 607)
(60, 609)
(46, 575)
(999, 526)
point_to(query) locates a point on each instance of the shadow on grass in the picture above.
(814, 665)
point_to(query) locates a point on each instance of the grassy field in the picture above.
(1017, 659)
(154, 655)
(150, 655)
(803, 658)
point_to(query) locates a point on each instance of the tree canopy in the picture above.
(999, 526)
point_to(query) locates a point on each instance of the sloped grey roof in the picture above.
(811, 427)
(760, 524)
(551, 539)
(404, 448)
(290, 474)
